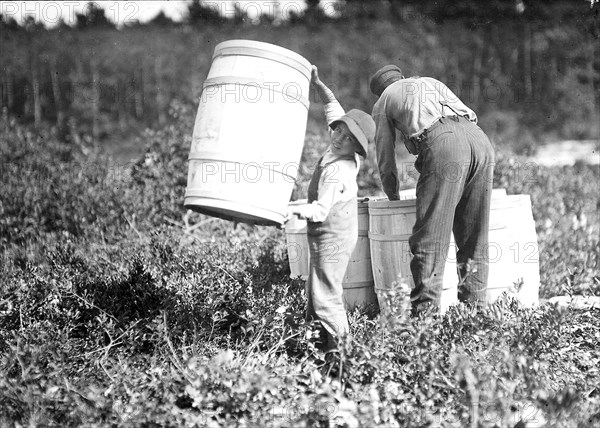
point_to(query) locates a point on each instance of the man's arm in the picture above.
(385, 145)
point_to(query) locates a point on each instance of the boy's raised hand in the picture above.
(315, 76)
(324, 92)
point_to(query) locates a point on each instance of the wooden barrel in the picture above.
(498, 193)
(358, 281)
(390, 227)
(513, 250)
(249, 133)
(297, 245)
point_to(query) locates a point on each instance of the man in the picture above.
(455, 160)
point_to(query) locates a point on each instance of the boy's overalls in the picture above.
(331, 243)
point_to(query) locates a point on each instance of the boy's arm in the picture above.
(319, 209)
(333, 109)
(325, 94)
(330, 185)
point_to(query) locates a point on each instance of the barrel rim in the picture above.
(512, 201)
(296, 226)
(276, 49)
(501, 200)
(354, 285)
(232, 210)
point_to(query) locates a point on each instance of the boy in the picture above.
(331, 212)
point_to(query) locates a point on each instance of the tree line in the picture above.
(527, 65)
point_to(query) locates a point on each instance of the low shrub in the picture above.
(119, 308)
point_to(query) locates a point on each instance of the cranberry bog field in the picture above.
(119, 308)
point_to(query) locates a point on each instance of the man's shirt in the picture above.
(410, 106)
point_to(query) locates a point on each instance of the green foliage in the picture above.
(66, 189)
(118, 308)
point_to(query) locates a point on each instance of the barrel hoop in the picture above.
(377, 204)
(246, 81)
(358, 284)
(213, 157)
(509, 288)
(262, 53)
(193, 193)
(387, 238)
(392, 211)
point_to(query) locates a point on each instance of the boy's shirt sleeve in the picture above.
(335, 185)
(335, 182)
(333, 112)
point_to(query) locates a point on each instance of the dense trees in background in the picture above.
(530, 68)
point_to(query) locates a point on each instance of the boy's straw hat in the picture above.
(383, 77)
(361, 125)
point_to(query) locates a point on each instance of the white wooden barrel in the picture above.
(249, 133)
(513, 250)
